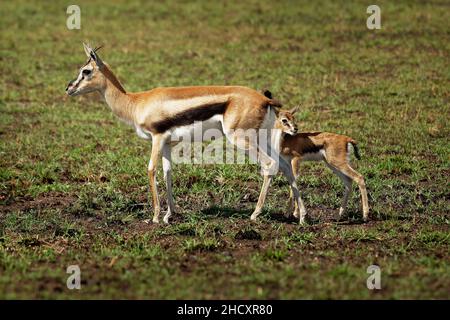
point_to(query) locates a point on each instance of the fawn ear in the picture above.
(268, 94)
(294, 110)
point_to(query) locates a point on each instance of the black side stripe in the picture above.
(200, 113)
(311, 148)
(306, 144)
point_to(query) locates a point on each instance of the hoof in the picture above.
(253, 217)
(167, 216)
(302, 219)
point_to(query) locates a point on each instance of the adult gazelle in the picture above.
(162, 113)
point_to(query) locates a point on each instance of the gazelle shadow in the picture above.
(227, 212)
(280, 215)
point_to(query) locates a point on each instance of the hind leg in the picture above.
(270, 165)
(295, 162)
(359, 180)
(269, 159)
(268, 168)
(287, 170)
(262, 197)
(247, 140)
(347, 181)
(348, 190)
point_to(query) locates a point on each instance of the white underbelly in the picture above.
(199, 131)
(207, 130)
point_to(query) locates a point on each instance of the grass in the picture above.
(73, 182)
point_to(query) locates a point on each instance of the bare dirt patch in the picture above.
(49, 200)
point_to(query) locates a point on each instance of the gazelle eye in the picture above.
(87, 72)
(284, 121)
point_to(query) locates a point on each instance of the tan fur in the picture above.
(329, 147)
(156, 111)
(246, 109)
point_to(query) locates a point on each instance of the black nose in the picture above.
(295, 130)
(70, 83)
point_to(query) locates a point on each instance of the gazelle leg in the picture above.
(295, 165)
(347, 185)
(348, 189)
(167, 169)
(152, 166)
(286, 169)
(291, 203)
(266, 165)
(262, 197)
(359, 179)
(365, 200)
(269, 166)
(290, 171)
(299, 211)
(252, 149)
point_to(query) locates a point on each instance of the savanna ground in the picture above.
(73, 182)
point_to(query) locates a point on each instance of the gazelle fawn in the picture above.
(333, 149)
(165, 115)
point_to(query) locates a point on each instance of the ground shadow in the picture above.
(244, 213)
(226, 212)
(314, 216)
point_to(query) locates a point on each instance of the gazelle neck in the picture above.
(117, 98)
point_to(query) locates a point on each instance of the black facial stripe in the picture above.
(200, 113)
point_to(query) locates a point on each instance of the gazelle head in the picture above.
(286, 121)
(90, 77)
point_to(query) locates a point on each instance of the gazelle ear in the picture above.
(92, 54)
(294, 110)
(87, 49)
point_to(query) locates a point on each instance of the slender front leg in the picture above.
(299, 211)
(152, 166)
(295, 165)
(167, 168)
